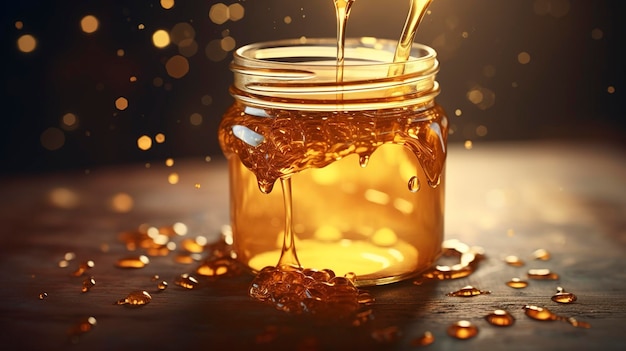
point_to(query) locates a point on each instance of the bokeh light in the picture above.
(121, 103)
(219, 13)
(52, 138)
(89, 24)
(26, 43)
(161, 38)
(144, 142)
(121, 203)
(167, 4)
(177, 66)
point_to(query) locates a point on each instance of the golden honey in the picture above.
(359, 161)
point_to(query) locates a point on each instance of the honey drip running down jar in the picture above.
(351, 169)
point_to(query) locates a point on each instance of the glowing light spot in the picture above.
(206, 100)
(465, 35)
(120, 52)
(195, 119)
(167, 4)
(214, 51)
(69, 121)
(161, 38)
(468, 144)
(219, 13)
(610, 89)
(144, 142)
(141, 26)
(121, 103)
(157, 82)
(52, 138)
(177, 66)
(89, 24)
(207, 159)
(121, 203)
(376, 196)
(180, 228)
(173, 178)
(26, 43)
(384, 237)
(597, 34)
(458, 112)
(169, 162)
(523, 57)
(287, 19)
(19, 24)
(489, 71)
(132, 79)
(63, 198)
(235, 12)
(327, 233)
(181, 32)
(228, 43)
(159, 138)
(481, 131)
(475, 96)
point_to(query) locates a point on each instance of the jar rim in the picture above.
(355, 48)
(304, 74)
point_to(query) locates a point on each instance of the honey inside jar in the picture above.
(363, 158)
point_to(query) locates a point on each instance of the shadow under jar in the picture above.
(363, 148)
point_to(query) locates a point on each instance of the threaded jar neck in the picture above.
(302, 74)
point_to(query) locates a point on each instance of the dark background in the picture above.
(564, 92)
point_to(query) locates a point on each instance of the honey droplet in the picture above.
(83, 267)
(468, 291)
(578, 324)
(162, 285)
(426, 339)
(81, 328)
(133, 262)
(563, 296)
(154, 278)
(517, 283)
(43, 295)
(135, 298)
(88, 284)
(468, 262)
(414, 184)
(542, 274)
(541, 254)
(462, 330)
(500, 318)
(186, 281)
(540, 313)
(513, 261)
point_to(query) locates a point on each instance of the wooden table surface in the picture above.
(509, 198)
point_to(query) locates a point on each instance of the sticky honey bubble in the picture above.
(135, 298)
(468, 291)
(517, 283)
(514, 261)
(186, 281)
(500, 318)
(424, 340)
(133, 262)
(542, 274)
(88, 284)
(462, 330)
(563, 296)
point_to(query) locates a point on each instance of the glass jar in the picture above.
(363, 149)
